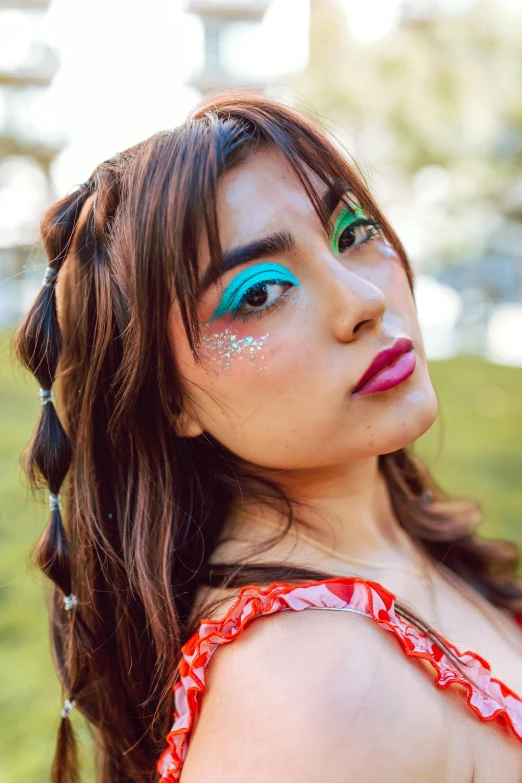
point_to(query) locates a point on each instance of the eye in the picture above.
(262, 297)
(357, 234)
(352, 229)
(255, 291)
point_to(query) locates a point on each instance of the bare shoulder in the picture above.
(317, 695)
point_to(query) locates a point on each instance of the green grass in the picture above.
(474, 449)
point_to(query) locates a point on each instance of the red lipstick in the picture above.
(389, 368)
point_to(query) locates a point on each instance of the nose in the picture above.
(355, 304)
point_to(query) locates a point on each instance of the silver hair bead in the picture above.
(67, 707)
(46, 395)
(49, 275)
(54, 502)
(69, 602)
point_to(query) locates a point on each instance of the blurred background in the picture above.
(426, 95)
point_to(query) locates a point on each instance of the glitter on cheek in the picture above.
(222, 350)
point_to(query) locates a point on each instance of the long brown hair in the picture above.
(144, 508)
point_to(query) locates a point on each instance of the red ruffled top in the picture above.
(351, 594)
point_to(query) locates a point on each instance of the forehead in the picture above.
(255, 197)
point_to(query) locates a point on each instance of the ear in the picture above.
(187, 424)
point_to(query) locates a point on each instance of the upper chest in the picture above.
(468, 621)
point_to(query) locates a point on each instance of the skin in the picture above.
(293, 414)
(296, 415)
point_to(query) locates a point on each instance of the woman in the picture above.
(242, 375)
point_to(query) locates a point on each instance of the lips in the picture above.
(399, 359)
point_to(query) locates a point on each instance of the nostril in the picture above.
(361, 324)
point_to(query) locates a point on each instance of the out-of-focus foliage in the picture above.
(447, 90)
(444, 92)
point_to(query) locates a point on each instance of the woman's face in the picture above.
(287, 335)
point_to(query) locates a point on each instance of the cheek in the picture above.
(240, 361)
(244, 348)
(234, 349)
(247, 362)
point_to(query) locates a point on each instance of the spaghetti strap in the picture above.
(491, 700)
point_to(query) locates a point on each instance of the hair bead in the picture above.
(49, 275)
(69, 602)
(54, 502)
(67, 707)
(46, 395)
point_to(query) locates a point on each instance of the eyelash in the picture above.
(374, 229)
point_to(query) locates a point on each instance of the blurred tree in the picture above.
(441, 90)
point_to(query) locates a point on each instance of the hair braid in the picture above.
(48, 456)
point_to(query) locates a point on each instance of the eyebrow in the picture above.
(269, 246)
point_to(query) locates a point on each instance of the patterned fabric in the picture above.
(495, 701)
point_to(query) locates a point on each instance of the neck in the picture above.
(346, 507)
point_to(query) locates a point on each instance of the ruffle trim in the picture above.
(492, 700)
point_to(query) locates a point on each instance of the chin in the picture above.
(417, 413)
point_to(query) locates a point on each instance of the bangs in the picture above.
(221, 135)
